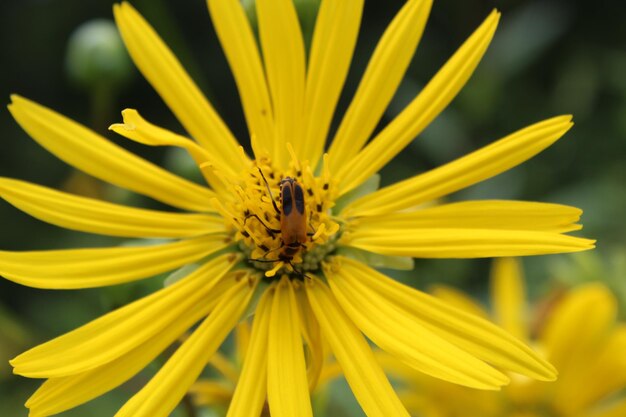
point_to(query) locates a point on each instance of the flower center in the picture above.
(283, 218)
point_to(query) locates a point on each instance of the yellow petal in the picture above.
(86, 268)
(210, 393)
(409, 340)
(164, 72)
(249, 396)
(240, 46)
(484, 163)
(459, 299)
(283, 55)
(421, 111)
(616, 409)
(382, 76)
(577, 323)
(610, 367)
(140, 130)
(330, 371)
(425, 396)
(95, 216)
(365, 377)
(91, 153)
(136, 128)
(473, 334)
(287, 387)
(508, 297)
(224, 366)
(243, 333)
(161, 395)
(483, 214)
(59, 394)
(604, 364)
(463, 243)
(310, 330)
(334, 38)
(116, 333)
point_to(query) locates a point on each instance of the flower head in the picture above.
(286, 232)
(578, 332)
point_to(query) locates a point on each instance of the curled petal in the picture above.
(161, 68)
(93, 154)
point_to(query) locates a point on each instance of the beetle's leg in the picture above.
(310, 234)
(263, 260)
(269, 229)
(300, 274)
(282, 244)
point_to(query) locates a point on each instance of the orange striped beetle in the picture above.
(293, 221)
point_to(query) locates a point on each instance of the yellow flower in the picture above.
(304, 256)
(577, 330)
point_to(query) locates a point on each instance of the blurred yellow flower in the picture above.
(577, 331)
(295, 254)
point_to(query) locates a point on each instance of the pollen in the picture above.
(263, 220)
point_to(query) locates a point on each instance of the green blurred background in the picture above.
(548, 58)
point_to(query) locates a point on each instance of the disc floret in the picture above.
(259, 218)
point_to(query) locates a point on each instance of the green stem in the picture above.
(189, 406)
(102, 97)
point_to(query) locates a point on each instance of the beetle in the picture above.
(293, 221)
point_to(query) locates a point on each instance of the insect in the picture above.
(293, 221)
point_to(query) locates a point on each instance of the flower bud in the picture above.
(96, 55)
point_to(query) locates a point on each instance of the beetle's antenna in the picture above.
(269, 190)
